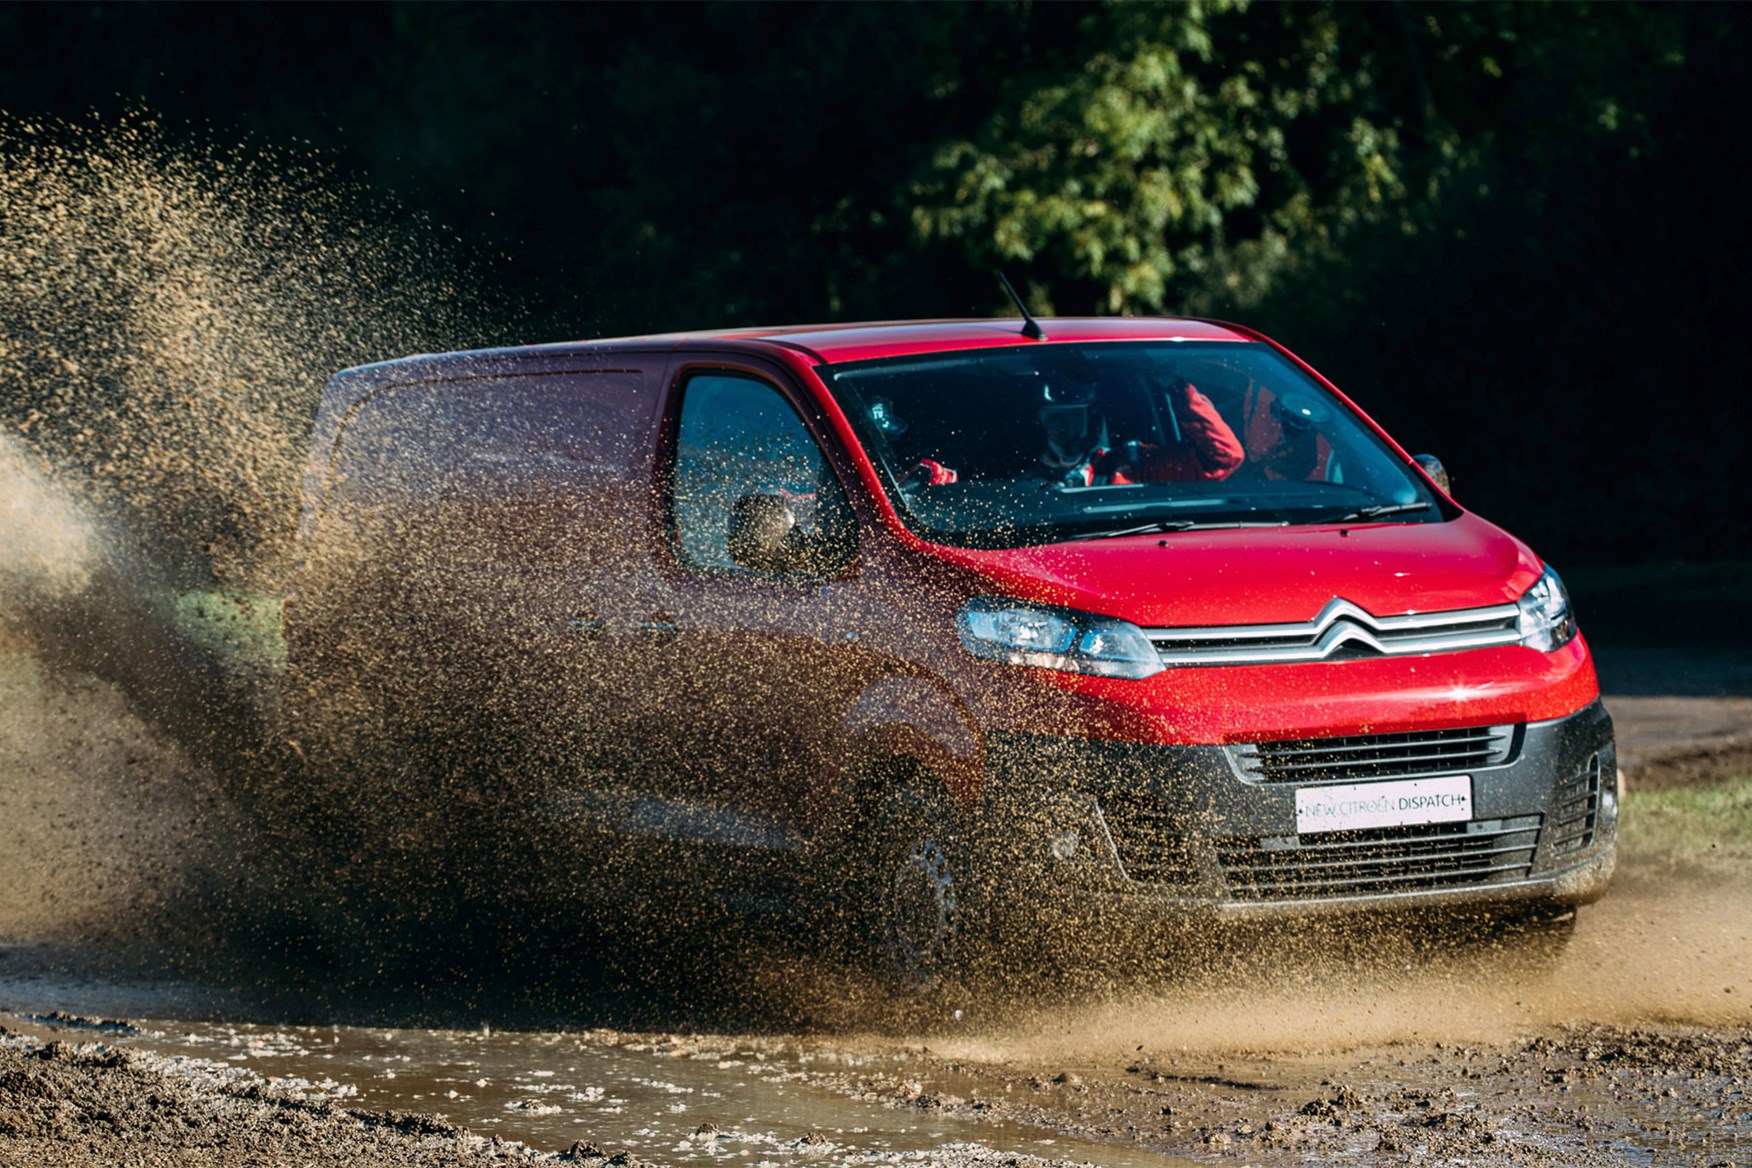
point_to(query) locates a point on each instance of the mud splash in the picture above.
(1668, 950)
(106, 712)
(169, 310)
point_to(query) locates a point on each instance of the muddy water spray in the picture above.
(168, 313)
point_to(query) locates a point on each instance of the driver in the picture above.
(1076, 452)
(1207, 450)
(1075, 435)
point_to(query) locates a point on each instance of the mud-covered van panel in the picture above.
(463, 541)
(901, 648)
(524, 471)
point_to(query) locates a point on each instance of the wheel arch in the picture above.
(913, 723)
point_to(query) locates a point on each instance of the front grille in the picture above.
(1385, 860)
(1339, 630)
(1374, 756)
(1152, 844)
(1574, 811)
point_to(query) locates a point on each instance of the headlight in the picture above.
(1546, 622)
(1055, 638)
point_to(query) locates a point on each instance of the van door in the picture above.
(566, 555)
(750, 666)
(490, 523)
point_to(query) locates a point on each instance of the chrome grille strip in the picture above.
(1373, 756)
(1338, 625)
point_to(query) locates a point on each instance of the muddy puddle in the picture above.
(1570, 1094)
(663, 1098)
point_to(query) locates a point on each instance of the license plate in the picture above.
(1397, 804)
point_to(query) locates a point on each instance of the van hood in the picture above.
(1267, 575)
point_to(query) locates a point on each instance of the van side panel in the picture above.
(491, 471)
(462, 529)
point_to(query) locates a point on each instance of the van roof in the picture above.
(831, 344)
(838, 343)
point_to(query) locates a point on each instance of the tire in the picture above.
(922, 907)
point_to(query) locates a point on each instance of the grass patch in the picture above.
(1689, 822)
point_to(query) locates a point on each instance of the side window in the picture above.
(460, 434)
(492, 469)
(744, 462)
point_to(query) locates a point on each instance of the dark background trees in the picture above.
(1515, 232)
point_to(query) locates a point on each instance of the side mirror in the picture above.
(764, 536)
(760, 532)
(1433, 467)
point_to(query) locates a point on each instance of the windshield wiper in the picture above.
(1377, 511)
(1168, 525)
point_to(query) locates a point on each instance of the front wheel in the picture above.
(923, 907)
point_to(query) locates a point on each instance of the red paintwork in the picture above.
(1325, 699)
(906, 589)
(1243, 576)
(1266, 575)
(839, 344)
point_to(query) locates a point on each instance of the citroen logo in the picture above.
(1339, 625)
(1342, 623)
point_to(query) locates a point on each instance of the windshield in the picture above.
(1002, 448)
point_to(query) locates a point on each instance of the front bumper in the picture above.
(1187, 831)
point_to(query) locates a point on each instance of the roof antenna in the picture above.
(1030, 327)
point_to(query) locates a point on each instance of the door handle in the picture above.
(658, 624)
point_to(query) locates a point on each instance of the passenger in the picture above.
(1285, 436)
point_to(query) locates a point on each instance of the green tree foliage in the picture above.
(1168, 152)
(1122, 163)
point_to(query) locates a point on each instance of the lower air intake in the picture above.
(1385, 860)
(1575, 811)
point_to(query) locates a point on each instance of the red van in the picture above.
(926, 623)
